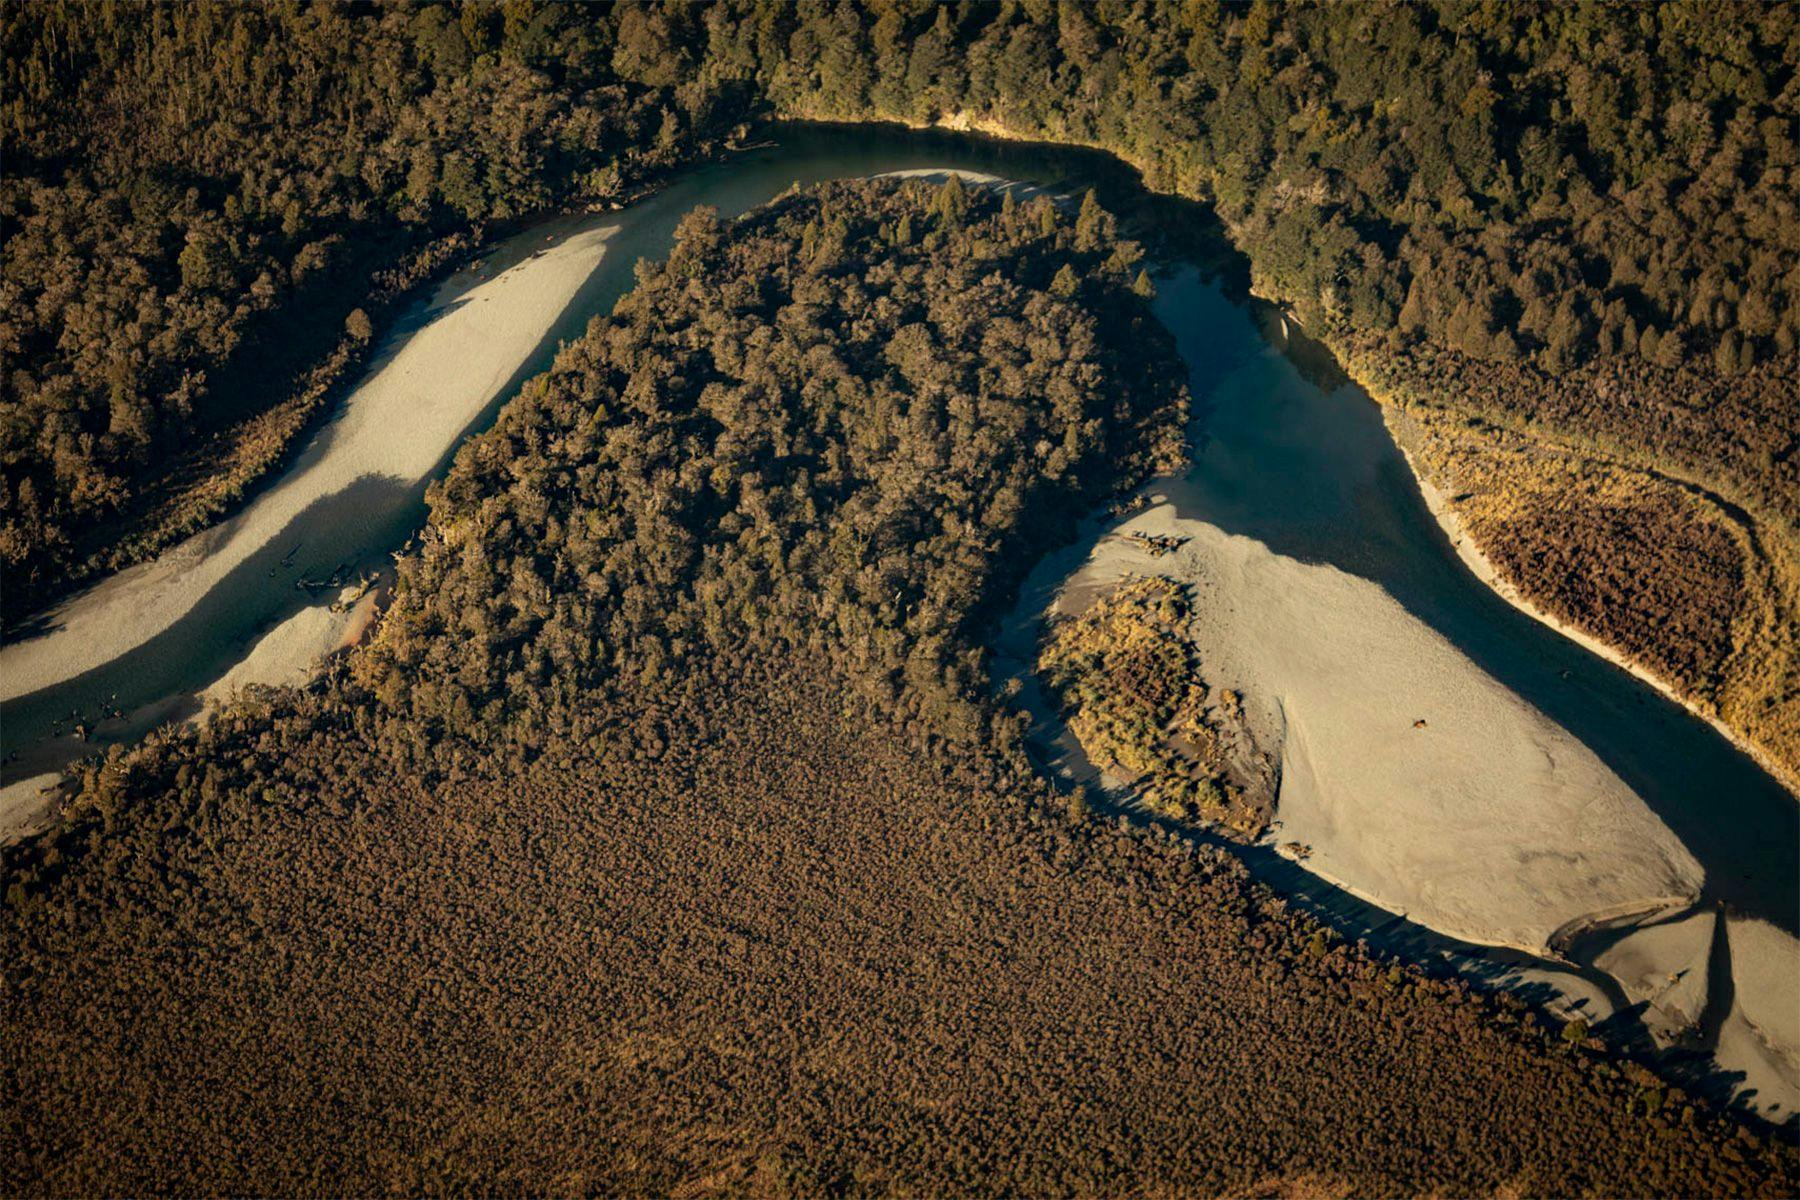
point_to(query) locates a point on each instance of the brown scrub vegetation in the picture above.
(1680, 582)
(669, 839)
(1126, 674)
(751, 936)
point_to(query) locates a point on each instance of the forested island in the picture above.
(668, 831)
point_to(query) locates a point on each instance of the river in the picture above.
(1290, 456)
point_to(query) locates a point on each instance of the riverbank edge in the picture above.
(327, 378)
(289, 651)
(319, 390)
(1467, 548)
(1554, 960)
(656, 189)
(1112, 563)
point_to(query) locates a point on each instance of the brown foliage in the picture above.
(746, 936)
(1127, 677)
(1700, 593)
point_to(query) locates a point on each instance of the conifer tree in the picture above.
(951, 205)
(1090, 224)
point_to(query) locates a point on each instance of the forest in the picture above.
(207, 209)
(868, 396)
(1565, 229)
(1564, 239)
(670, 839)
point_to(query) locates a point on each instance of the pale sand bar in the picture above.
(1413, 779)
(1487, 821)
(398, 424)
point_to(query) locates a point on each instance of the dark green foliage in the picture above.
(1534, 187)
(1508, 205)
(1543, 165)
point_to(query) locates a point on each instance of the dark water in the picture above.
(1290, 455)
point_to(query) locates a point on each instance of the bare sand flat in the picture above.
(1665, 966)
(421, 396)
(290, 653)
(26, 805)
(1414, 779)
(1761, 1035)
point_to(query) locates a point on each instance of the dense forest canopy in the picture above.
(1553, 181)
(197, 199)
(830, 425)
(843, 425)
(668, 836)
(1579, 218)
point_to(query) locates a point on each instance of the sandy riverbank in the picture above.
(427, 386)
(435, 375)
(1411, 778)
(1474, 558)
(1760, 1037)
(293, 651)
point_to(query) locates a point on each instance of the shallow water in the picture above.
(1291, 455)
(1306, 466)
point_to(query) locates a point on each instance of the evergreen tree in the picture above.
(1089, 224)
(951, 204)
